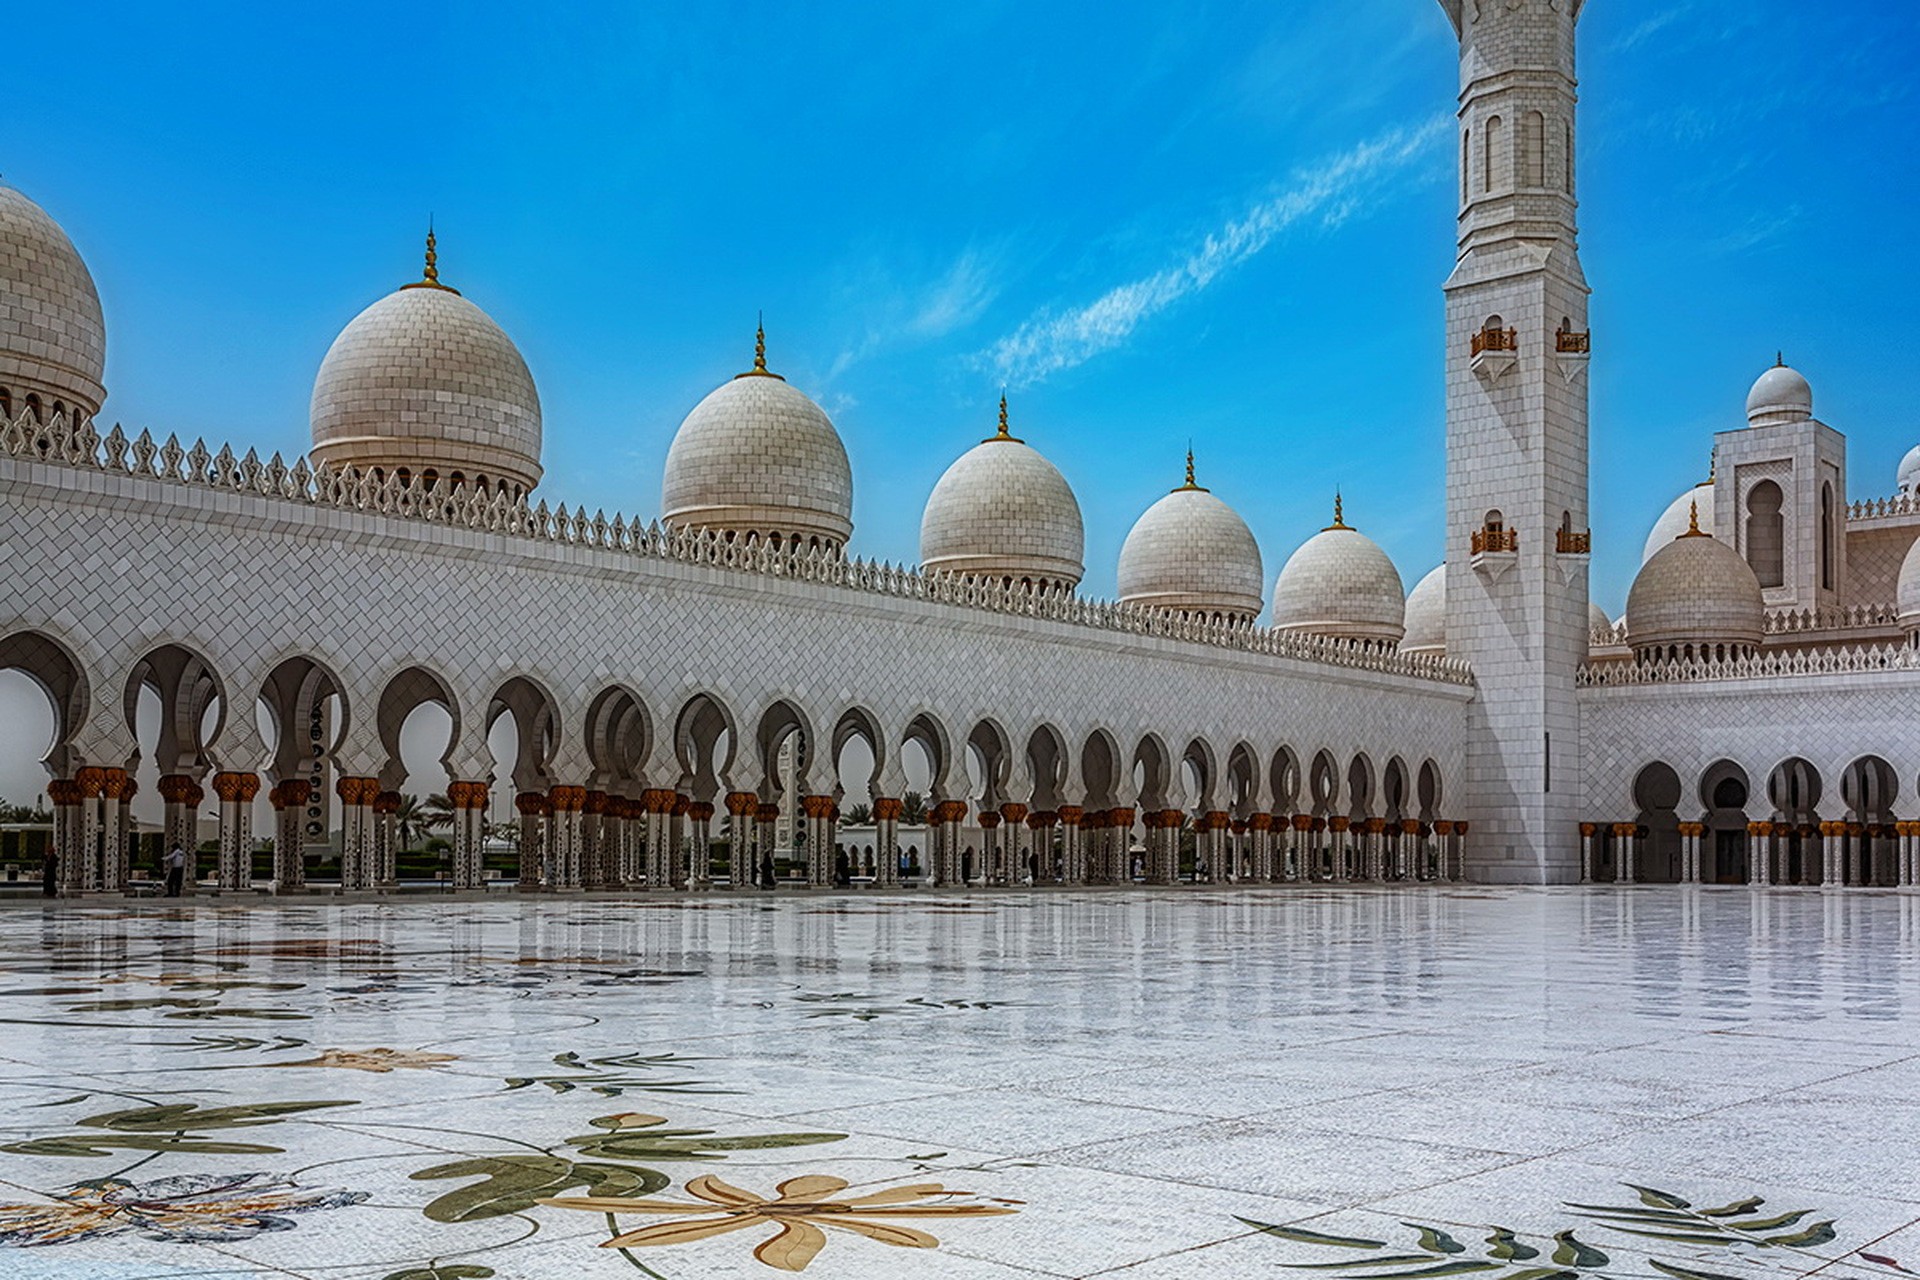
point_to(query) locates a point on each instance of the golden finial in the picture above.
(1339, 513)
(759, 369)
(1779, 359)
(1693, 521)
(1003, 432)
(430, 275)
(1191, 482)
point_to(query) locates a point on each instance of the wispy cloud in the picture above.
(925, 311)
(1325, 194)
(1649, 28)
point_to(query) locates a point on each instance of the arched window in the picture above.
(1493, 176)
(33, 406)
(403, 474)
(1826, 537)
(1466, 165)
(1533, 150)
(1569, 157)
(1494, 522)
(1766, 534)
(6, 404)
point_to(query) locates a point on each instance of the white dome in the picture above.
(1339, 583)
(424, 381)
(758, 457)
(53, 339)
(1426, 618)
(1678, 518)
(1191, 553)
(1001, 512)
(1909, 476)
(1695, 592)
(1908, 592)
(1597, 619)
(1779, 395)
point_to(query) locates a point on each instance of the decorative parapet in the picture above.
(1764, 665)
(1902, 504)
(434, 502)
(1783, 622)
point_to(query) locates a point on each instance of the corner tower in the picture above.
(1517, 347)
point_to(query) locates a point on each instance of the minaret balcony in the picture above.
(1573, 550)
(1494, 353)
(1494, 552)
(1571, 351)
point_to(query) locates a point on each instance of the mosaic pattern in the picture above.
(1368, 1085)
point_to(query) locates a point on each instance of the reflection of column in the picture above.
(236, 792)
(288, 798)
(356, 830)
(533, 808)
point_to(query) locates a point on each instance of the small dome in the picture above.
(1678, 518)
(1908, 592)
(1340, 583)
(1427, 615)
(425, 382)
(53, 339)
(1779, 395)
(1909, 478)
(1696, 597)
(1001, 512)
(1597, 619)
(757, 457)
(1191, 553)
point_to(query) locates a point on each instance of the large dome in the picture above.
(1678, 517)
(1191, 553)
(1339, 583)
(1696, 597)
(424, 382)
(53, 340)
(1909, 476)
(1908, 592)
(1779, 395)
(1426, 618)
(1002, 512)
(757, 458)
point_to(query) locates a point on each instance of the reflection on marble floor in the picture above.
(1362, 1085)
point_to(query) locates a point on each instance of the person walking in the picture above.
(176, 864)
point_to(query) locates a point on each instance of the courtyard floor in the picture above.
(1676, 1084)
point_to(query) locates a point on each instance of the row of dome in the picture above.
(423, 381)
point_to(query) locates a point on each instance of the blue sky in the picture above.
(1219, 222)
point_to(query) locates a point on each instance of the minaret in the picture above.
(1517, 344)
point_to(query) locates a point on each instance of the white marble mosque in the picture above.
(682, 687)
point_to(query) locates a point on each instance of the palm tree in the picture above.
(410, 821)
(913, 809)
(436, 812)
(859, 816)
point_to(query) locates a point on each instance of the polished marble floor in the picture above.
(1383, 1084)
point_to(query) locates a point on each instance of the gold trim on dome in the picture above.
(430, 277)
(1003, 433)
(1339, 515)
(1693, 522)
(759, 369)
